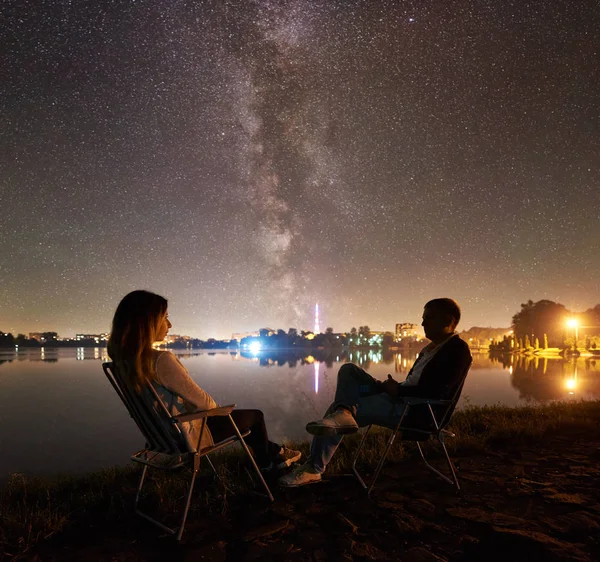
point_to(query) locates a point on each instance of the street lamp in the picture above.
(573, 323)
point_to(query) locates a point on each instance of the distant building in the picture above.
(43, 337)
(175, 338)
(407, 332)
(96, 337)
(376, 337)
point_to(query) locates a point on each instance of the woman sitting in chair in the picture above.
(142, 319)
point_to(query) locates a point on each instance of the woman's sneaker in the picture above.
(286, 457)
(301, 475)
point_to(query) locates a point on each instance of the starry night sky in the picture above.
(247, 159)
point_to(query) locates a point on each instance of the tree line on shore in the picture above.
(272, 339)
(547, 324)
(293, 338)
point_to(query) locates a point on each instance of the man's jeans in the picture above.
(356, 390)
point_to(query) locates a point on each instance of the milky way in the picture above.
(249, 159)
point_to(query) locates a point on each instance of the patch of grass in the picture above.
(33, 509)
(481, 426)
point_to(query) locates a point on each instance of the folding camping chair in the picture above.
(165, 440)
(428, 418)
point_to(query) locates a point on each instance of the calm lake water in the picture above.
(58, 412)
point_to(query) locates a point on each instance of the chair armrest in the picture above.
(200, 414)
(414, 401)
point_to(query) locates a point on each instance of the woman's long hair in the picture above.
(134, 330)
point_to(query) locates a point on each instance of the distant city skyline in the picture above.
(316, 321)
(250, 159)
(253, 332)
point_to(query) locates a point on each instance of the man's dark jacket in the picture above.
(444, 372)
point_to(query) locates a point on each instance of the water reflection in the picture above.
(45, 354)
(53, 354)
(537, 379)
(542, 379)
(366, 359)
(291, 357)
(571, 382)
(291, 387)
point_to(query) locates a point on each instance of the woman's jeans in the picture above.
(359, 392)
(264, 450)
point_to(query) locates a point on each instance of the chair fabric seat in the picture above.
(164, 461)
(161, 460)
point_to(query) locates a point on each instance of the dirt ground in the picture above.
(516, 503)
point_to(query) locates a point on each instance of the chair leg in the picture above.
(360, 446)
(187, 505)
(251, 456)
(451, 465)
(212, 466)
(139, 488)
(178, 531)
(443, 476)
(382, 460)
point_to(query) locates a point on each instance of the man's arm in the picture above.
(390, 386)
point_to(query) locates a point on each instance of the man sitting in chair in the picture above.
(360, 400)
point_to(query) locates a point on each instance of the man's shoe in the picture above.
(301, 475)
(286, 457)
(340, 422)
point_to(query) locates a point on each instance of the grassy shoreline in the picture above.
(35, 510)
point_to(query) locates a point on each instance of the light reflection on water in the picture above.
(59, 413)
